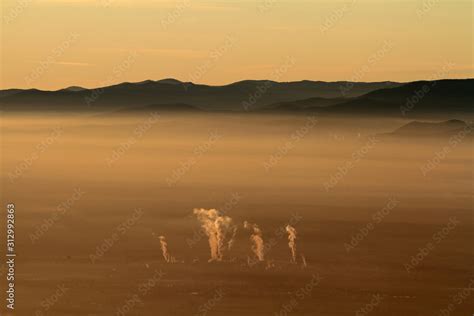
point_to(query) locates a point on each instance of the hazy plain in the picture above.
(363, 206)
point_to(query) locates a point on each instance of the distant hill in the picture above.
(248, 95)
(7, 92)
(432, 129)
(163, 108)
(420, 99)
(416, 99)
(305, 104)
(445, 98)
(429, 128)
(74, 88)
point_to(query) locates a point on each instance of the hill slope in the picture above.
(439, 130)
(447, 98)
(239, 96)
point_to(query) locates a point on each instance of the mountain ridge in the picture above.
(449, 98)
(232, 97)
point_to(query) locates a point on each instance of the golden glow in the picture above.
(51, 44)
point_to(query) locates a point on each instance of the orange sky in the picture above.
(51, 44)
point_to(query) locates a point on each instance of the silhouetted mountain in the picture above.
(421, 98)
(305, 104)
(164, 107)
(168, 81)
(245, 95)
(429, 128)
(446, 98)
(432, 129)
(74, 88)
(442, 98)
(7, 92)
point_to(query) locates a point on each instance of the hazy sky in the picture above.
(50, 44)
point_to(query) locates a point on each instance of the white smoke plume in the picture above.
(217, 228)
(257, 240)
(164, 250)
(292, 241)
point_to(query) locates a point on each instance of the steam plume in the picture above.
(217, 228)
(164, 249)
(292, 241)
(257, 240)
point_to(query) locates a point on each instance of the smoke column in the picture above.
(292, 241)
(164, 248)
(257, 240)
(216, 227)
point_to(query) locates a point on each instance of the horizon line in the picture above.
(231, 83)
